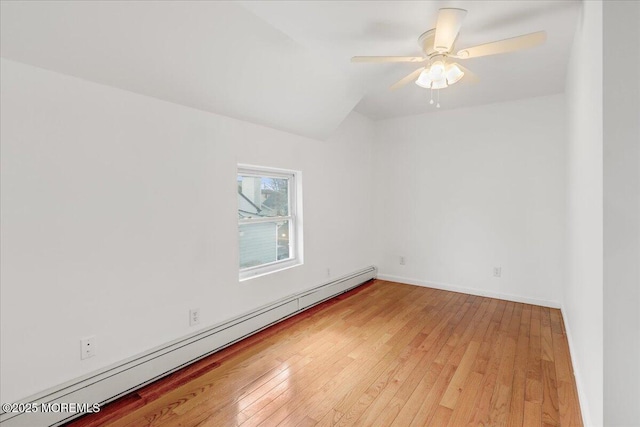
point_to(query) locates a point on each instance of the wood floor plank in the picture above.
(568, 406)
(556, 322)
(533, 386)
(482, 409)
(367, 359)
(230, 388)
(546, 335)
(394, 365)
(533, 414)
(550, 408)
(383, 354)
(423, 403)
(318, 382)
(561, 358)
(489, 339)
(466, 401)
(423, 355)
(418, 409)
(278, 409)
(380, 393)
(387, 417)
(430, 369)
(375, 411)
(342, 393)
(453, 391)
(442, 416)
(501, 399)
(518, 387)
(349, 399)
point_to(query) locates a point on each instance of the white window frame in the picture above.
(294, 218)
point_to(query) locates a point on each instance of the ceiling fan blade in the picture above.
(469, 76)
(388, 59)
(503, 46)
(447, 28)
(411, 77)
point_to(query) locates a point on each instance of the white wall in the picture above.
(119, 214)
(459, 192)
(621, 213)
(582, 300)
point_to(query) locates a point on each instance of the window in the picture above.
(268, 217)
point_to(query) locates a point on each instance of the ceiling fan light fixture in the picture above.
(453, 74)
(436, 69)
(439, 76)
(424, 80)
(439, 84)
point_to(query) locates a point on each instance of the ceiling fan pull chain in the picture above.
(431, 100)
(438, 104)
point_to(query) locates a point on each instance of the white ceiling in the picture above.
(286, 64)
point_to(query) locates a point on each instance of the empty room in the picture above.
(301, 213)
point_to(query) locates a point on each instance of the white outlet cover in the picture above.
(194, 316)
(88, 347)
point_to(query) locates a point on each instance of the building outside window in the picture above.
(268, 215)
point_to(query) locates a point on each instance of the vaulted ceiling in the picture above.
(286, 64)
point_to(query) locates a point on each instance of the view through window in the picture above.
(266, 220)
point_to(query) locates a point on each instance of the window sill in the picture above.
(261, 272)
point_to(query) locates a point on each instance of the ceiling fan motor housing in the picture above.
(426, 42)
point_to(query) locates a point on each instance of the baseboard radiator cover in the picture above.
(115, 381)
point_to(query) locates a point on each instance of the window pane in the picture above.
(284, 248)
(263, 243)
(262, 196)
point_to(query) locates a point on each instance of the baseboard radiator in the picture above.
(110, 383)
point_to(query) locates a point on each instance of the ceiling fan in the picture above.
(438, 71)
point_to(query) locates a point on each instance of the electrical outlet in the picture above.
(402, 260)
(194, 316)
(88, 347)
(497, 271)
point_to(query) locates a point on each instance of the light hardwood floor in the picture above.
(385, 354)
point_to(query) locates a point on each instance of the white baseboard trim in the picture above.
(471, 291)
(582, 396)
(110, 383)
